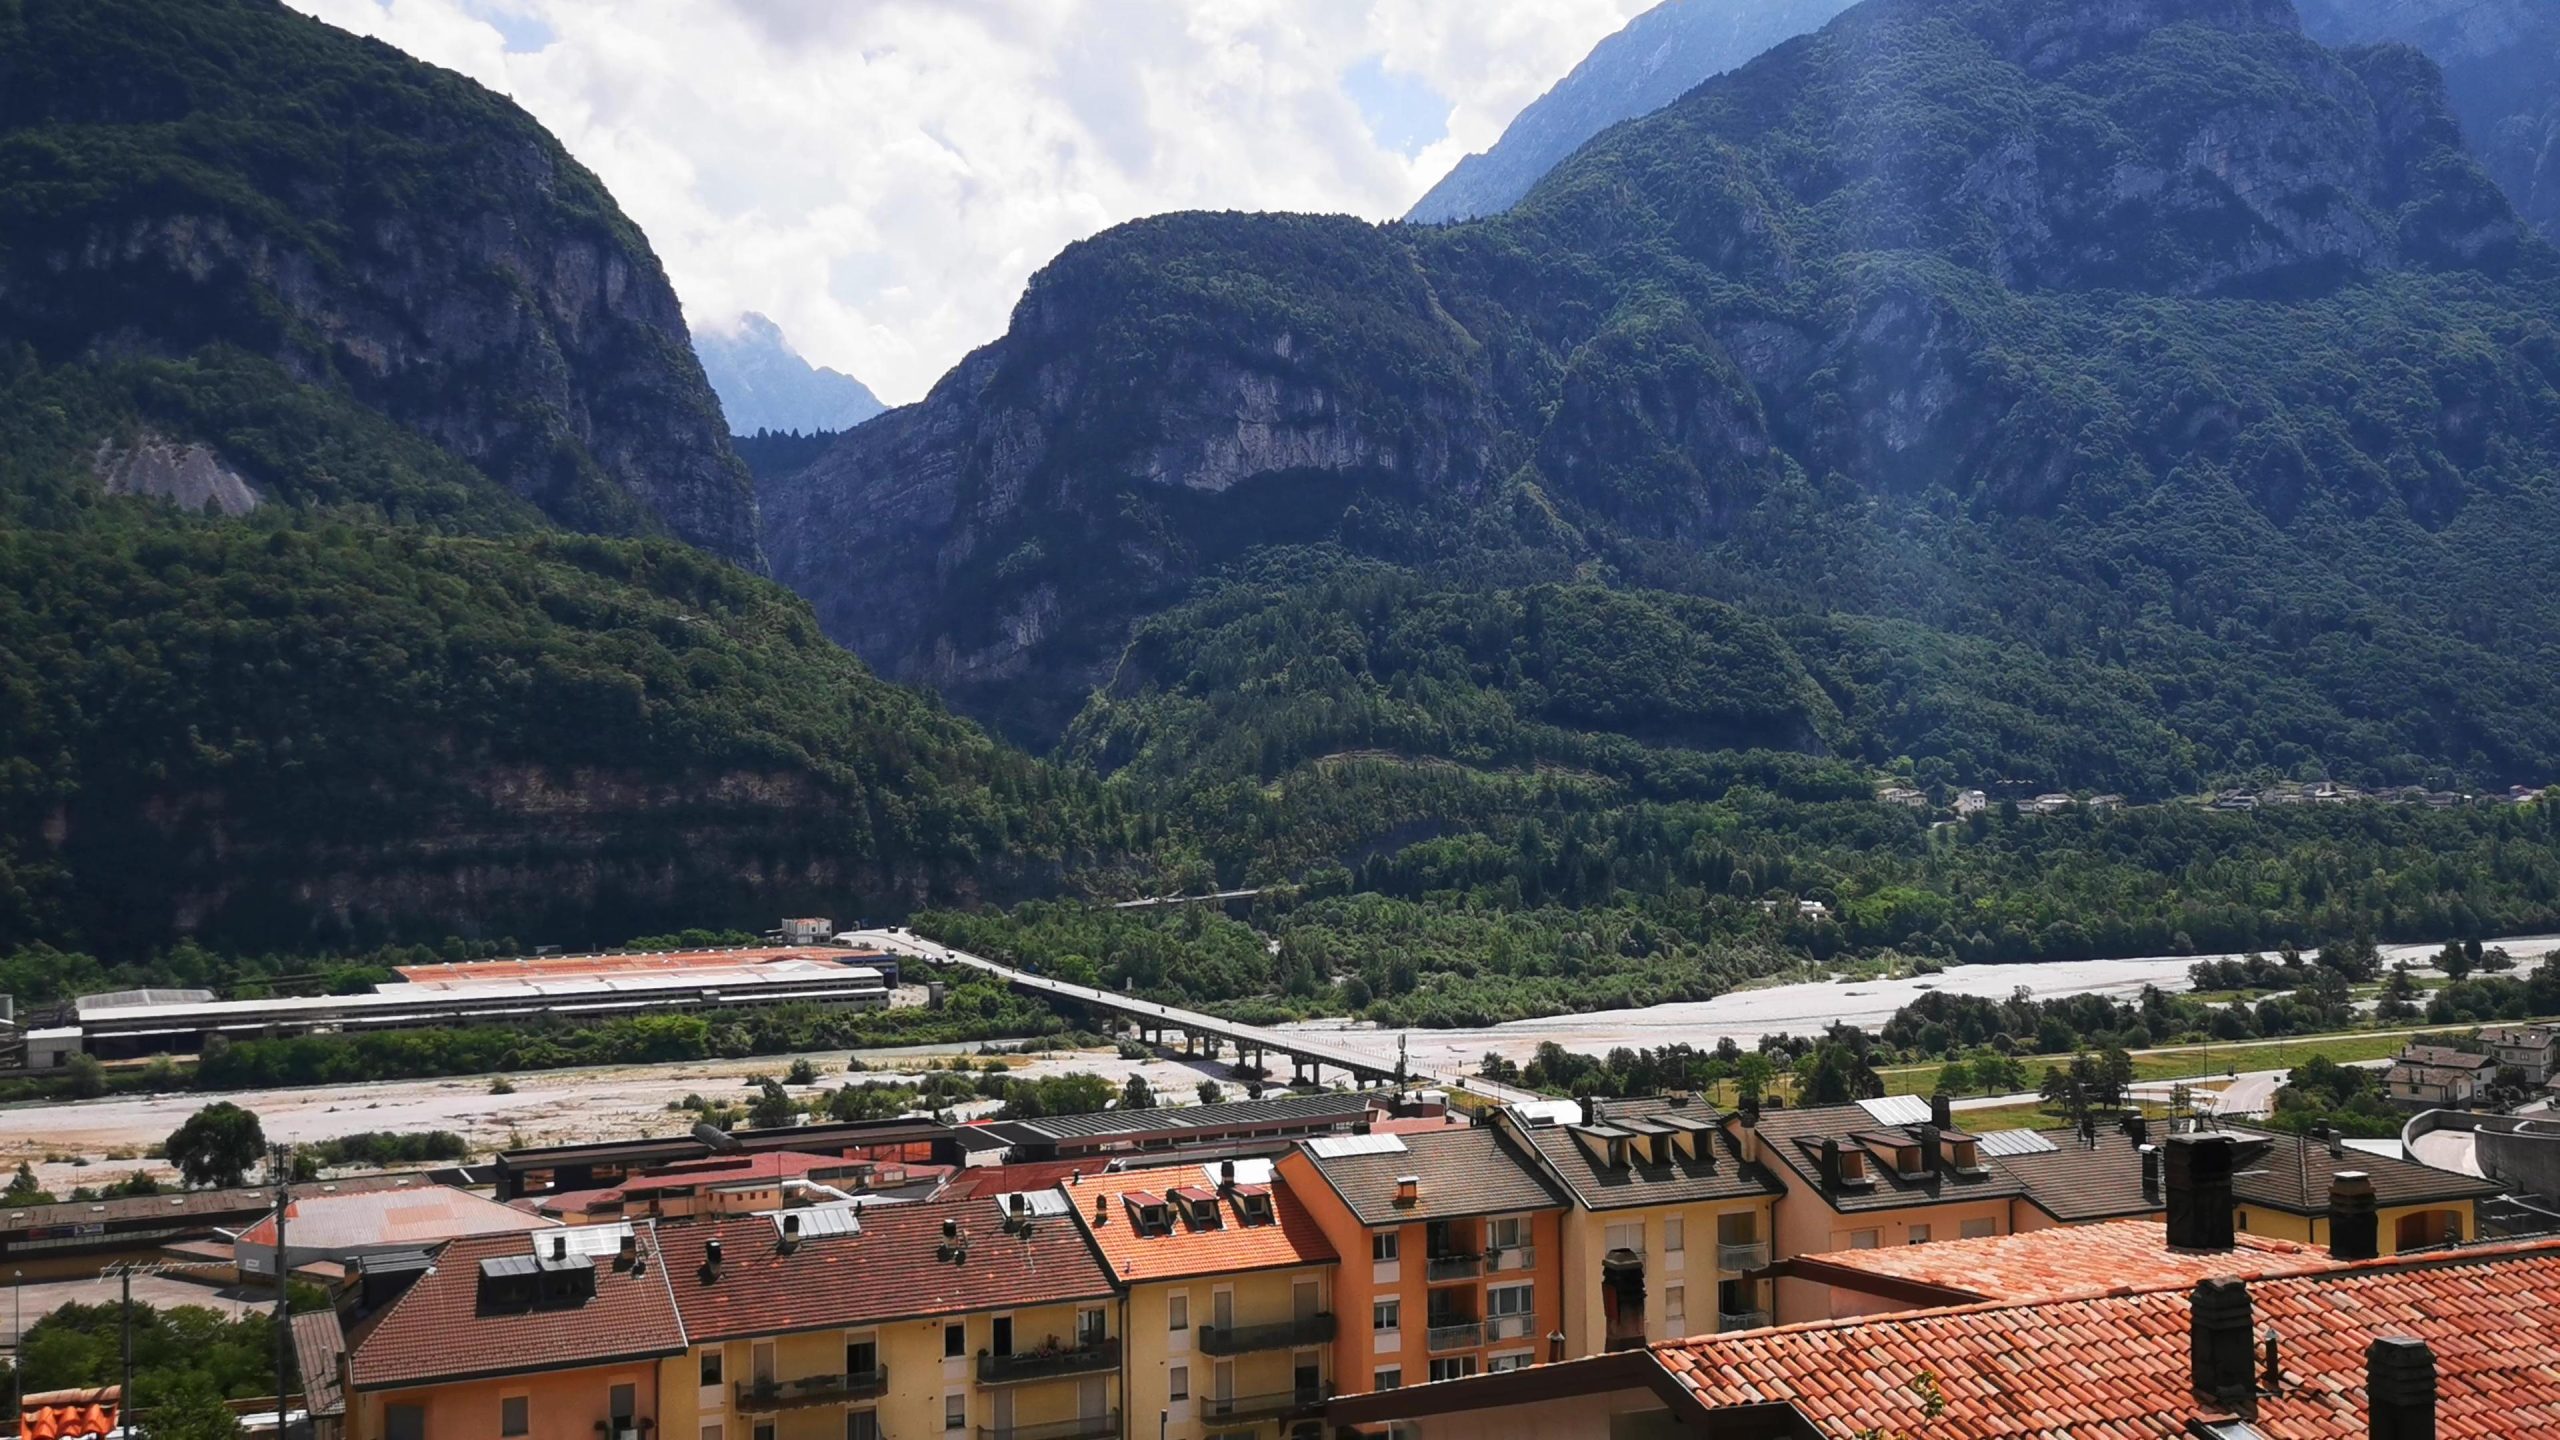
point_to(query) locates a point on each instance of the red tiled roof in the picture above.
(2065, 1261)
(769, 1165)
(2116, 1367)
(439, 1329)
(978, 1180)
(1291, 1238)
(892, 1270)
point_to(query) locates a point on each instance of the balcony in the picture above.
(1047, 1364)
(1082, 1427)
(1511, 1257)
(1741, 1320)
(1216, 1408)
(770, 1395)
(1284, 1335)
(1452, 1267)
(1509, 1327)
(1456, 1335)
(1734, 1259)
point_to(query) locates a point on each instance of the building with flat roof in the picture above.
(341, 1227)
(1279, 1119)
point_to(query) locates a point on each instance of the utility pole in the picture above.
(124, 1387)
(279, 1166)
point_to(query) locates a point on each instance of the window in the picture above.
(710, 1368)
(404, 1422)
(1002, 1344)
(1675, 1233)
(515, 1415)
(622, 1402)
(1510, 1300)
(1390, 1377)
(1919, 1234)
(1089, 1327)
(1386, 1314)
(1509, 1233)
(711, 1431)
(1382, 1246)
(1516, 1360)
(862, 1425)
(1456, 1367)
(764, 1430)
(1177, 1311)
(1177, 1385)
(955, 1340)
(1675, 1300)
(1629, 1236)
(861, 1357)
(1862, 1239)
(1978, 1229)
(955, 1411)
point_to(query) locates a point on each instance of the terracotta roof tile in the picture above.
(892, 1270)
(2118, 1365)
(1475, 1171)
(2073, 1260)
(439, 1329)
(1290, 1238)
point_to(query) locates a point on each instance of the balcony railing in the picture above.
(1509, 1327)
(812, 1390)
(1456, 1335)
(1082, 1427)
(1751, 1255)
(1283, 1335)
(1261, 1407)
(1741, 1320)
(1046, 1364)
(1512, 1257)
(1452, 1267)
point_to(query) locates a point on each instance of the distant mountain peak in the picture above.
(764, 384)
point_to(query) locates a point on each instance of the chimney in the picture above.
(2137, 1128)
(1593, 1111)
(1750, 1112)
(1831, 1163)
(628, 1252)
(2355, 1231)
(1226, 1176)
(1101, 1211)
(2220, 1333)
(2400, 1388)
(1748, 1144)
(1930, 1150)
(950, 1228)
(2150, 1171)
(559, 1246)
(1942, 1111)
(790, 1233)
(711, 1259)
(1408, 1189)
(1555, 1347)
(2199, 1184)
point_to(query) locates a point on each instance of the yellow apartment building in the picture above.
(1229, 1291)
(1667, 1220)
(983, 1319)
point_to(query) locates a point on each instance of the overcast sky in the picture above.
(881, 176)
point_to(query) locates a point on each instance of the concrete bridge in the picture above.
(1309, 1052)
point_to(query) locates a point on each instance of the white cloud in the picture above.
(882, 176)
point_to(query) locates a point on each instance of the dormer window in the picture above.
(1199, 1209)
(1853, 1167)
(1965, 1155)
(1253, 1205)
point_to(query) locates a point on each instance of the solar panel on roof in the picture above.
(1248, 1172)
(1033, 1202)
(1897, 1110)
(2015, 1142)
(589, 1240)
(1335, 1147)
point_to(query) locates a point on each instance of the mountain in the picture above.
(315, 362)
(1655, 59)
(2122, 395)
(2501, 62)
(765, 385)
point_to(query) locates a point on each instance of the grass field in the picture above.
(2197, 1062)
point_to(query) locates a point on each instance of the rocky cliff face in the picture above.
(1966, 270)
(234, 174)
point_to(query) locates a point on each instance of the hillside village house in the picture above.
(2532, 1049)
(2430, 1076)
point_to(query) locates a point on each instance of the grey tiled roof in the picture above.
(1474, 1171)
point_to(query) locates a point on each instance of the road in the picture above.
(1317, 1048)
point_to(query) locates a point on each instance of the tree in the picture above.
(88, 1078)
(773, 1107)
(1751, 1076)
(1137, 1094)
(191, 1409)
(802, 1072)
(217, 1145)
(2455, 962)
(1211, 1093)
(1954, 1078)
(1995, 1073)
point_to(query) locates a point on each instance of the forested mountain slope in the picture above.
(311, 360)
(1648, 64)
(2143, 370)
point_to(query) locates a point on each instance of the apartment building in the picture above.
(1667, 1220)
(1452, 1251)
(1228, 1289)
(556, 1335)
(2533, 1049)
(2431, 1076)
(983, 1319)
